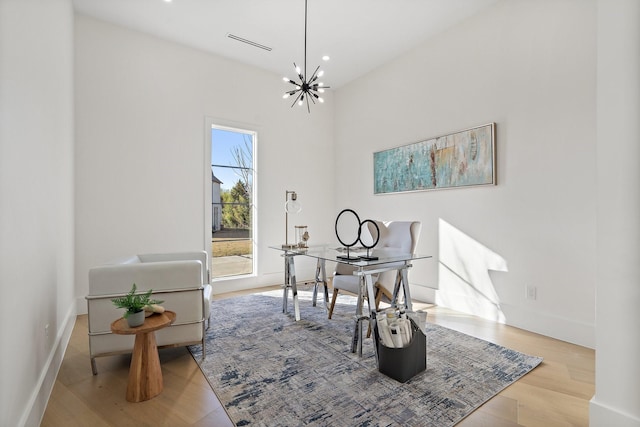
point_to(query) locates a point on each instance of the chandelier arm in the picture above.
(300, 76)
(314, 76)
(297, 99)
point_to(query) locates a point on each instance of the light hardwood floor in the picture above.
(556, 393)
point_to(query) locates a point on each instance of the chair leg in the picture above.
(379, 294)
(204, 341)
(94, 368)
(333, 301)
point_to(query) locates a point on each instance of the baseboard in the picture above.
(601, 415)
(37, 404)
(558, 327)
(546, 324)
(423, 294)
(253, 282)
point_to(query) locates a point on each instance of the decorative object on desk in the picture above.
(369, 240)
(291, 205)
(135, 304)
(152, 309)
(296, 385)
(308, 87)
(461, 159)
(348, 231)
(302, 236)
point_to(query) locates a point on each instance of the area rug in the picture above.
(269, 370)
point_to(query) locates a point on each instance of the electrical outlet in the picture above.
(46, 330)
(531, 292)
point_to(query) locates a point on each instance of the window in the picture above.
(232, 202)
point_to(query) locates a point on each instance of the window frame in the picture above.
(210, 124)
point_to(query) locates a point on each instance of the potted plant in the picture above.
(135, 304)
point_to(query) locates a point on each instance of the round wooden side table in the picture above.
(145, 374)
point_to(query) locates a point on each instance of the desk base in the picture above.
(290, 283)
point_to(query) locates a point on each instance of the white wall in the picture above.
(528, 66)
(516, 64)
(36, 202)
(617, 399)
(141, 108)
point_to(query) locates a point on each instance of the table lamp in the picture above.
(291, 205)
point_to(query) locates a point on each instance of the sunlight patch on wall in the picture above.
(464, 281)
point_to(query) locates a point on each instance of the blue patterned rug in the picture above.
(269, 370)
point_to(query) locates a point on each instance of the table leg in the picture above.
(321, 276)
(145, 374)
(294, 288)
(326, 285)
(372, 310)
(357, 330)
(285, 289)
(315, 284)
(402, 280)
(407, 293)
(396, 289)
(366, 290)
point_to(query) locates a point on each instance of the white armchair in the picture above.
(181, 280)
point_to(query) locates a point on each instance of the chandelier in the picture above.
(307, 88)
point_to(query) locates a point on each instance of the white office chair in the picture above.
(400, 235)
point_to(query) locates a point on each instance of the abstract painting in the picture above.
(461, 159)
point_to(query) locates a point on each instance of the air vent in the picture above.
(249, 42)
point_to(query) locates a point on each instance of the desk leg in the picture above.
(315, 284)
(145, 374)
(396, 289)
(372, 311)
(407, 293)
(326, 286)
(356, 342)
(402, 280)
(294, 288)
(366, 290)
(285, 289)
(321, 276)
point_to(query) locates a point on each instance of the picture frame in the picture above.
(466, 158)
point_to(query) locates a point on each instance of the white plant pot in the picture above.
(135, 319)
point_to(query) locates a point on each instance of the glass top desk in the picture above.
(387, 259)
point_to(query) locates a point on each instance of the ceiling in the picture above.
(358, 35)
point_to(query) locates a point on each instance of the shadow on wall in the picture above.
(464, 281)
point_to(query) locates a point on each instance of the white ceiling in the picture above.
(358, 35)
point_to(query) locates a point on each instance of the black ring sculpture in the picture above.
(369, 257)
(348, 245)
